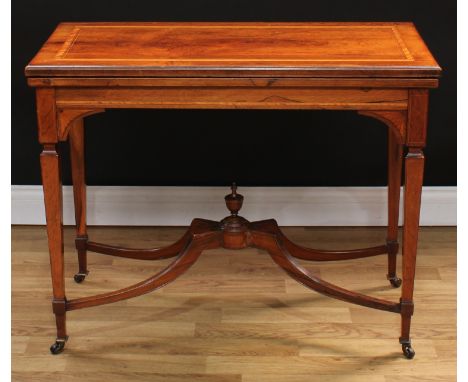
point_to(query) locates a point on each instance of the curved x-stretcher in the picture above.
(233, 232)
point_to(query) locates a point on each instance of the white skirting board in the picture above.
(290, 206)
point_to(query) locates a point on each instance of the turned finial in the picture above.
(234, 200)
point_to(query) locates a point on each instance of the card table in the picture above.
(380, 70)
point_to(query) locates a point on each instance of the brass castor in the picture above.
(79, 277)
(58, 346)
(395, 281)
(408, 351)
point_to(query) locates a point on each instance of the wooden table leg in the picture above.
(414, 167)
(51, 180)
(76, 139)
(52, 185)
(395, 155)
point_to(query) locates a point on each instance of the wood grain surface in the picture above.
(234, 316)
(240, 49)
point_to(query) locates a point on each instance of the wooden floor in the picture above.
(234, 316)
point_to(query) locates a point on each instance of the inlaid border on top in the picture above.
(71, 39)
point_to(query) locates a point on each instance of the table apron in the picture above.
(233, 98)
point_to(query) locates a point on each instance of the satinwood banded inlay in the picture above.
(314, 46)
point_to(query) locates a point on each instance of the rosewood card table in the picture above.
(380, 70)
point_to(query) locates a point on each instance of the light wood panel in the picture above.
(234, 316)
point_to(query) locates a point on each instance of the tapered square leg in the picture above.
(414, 168)
(395, 156)
(76, 140)
(52, 186)
(51, 180)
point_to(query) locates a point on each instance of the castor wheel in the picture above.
(408, 351)
(58, 346)
(395, 281)
(79, 277)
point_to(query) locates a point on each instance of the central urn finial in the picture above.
(234, 200)
(235, 227)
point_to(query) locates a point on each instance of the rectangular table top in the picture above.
(234, 50)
